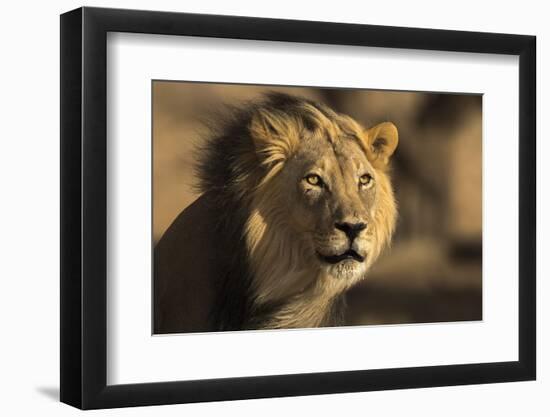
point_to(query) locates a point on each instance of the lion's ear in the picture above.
(274, 135)
(382, 140)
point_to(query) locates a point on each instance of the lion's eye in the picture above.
(314, 179)
(365, 180)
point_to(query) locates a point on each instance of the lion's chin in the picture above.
(348, 269)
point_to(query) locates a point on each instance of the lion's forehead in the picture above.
(343, 158)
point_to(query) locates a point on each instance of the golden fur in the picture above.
(296, 205)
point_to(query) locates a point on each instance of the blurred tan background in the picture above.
(432, 272)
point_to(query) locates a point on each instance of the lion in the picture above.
(296, 206)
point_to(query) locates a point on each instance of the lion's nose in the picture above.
(351, 229)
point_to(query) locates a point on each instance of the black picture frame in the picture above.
(84, 207)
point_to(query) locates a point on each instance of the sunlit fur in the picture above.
(288, 224)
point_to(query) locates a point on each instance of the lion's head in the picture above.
(313, 189)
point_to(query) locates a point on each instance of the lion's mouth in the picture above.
(349, 254)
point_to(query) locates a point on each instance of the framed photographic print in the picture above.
(258, 208)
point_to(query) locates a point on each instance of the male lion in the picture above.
(296, 205)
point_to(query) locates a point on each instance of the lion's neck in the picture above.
(318, 305)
